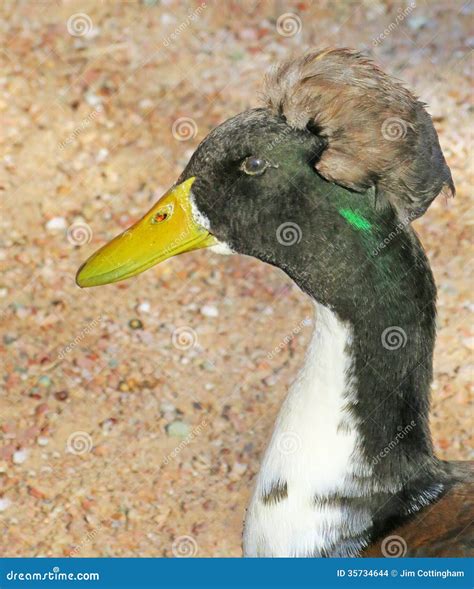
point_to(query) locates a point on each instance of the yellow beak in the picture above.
(168, 229)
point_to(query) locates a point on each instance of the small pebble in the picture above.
(108, 424)
(166, 406)
(135, 324)
(4, 503)
(56, 224)
(209, 311)
(36, 493)
(238, 469)
(61, 395)
(19, 456)
(93, 99)
(177, 429)
(144, 307)
(417, 22)
(44, 381)
(102, 155)
(42, 441)
(100, 450)
(167, 19)
(207, 365)
(145, 104)
(270, 380)
(41, 409)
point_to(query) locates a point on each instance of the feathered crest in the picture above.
(378, 133)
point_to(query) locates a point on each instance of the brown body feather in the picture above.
(444, 529)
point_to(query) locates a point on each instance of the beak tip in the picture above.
(81, 281)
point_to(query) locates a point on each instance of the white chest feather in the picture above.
(312, 451)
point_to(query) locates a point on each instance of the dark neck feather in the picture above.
(387, 296)
(394, 338)
(391, 312)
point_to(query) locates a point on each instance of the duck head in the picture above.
(251, 188)
(287, 185)
(250, 176)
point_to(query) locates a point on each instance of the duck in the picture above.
(324, 181)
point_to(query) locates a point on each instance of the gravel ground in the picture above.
(133, 417)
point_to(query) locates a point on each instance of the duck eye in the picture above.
(254, 166)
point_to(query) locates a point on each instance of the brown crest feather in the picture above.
(378, 133)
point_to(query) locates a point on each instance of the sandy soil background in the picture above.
(133, 417)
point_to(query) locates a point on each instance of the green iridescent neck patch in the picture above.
(355, 219)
